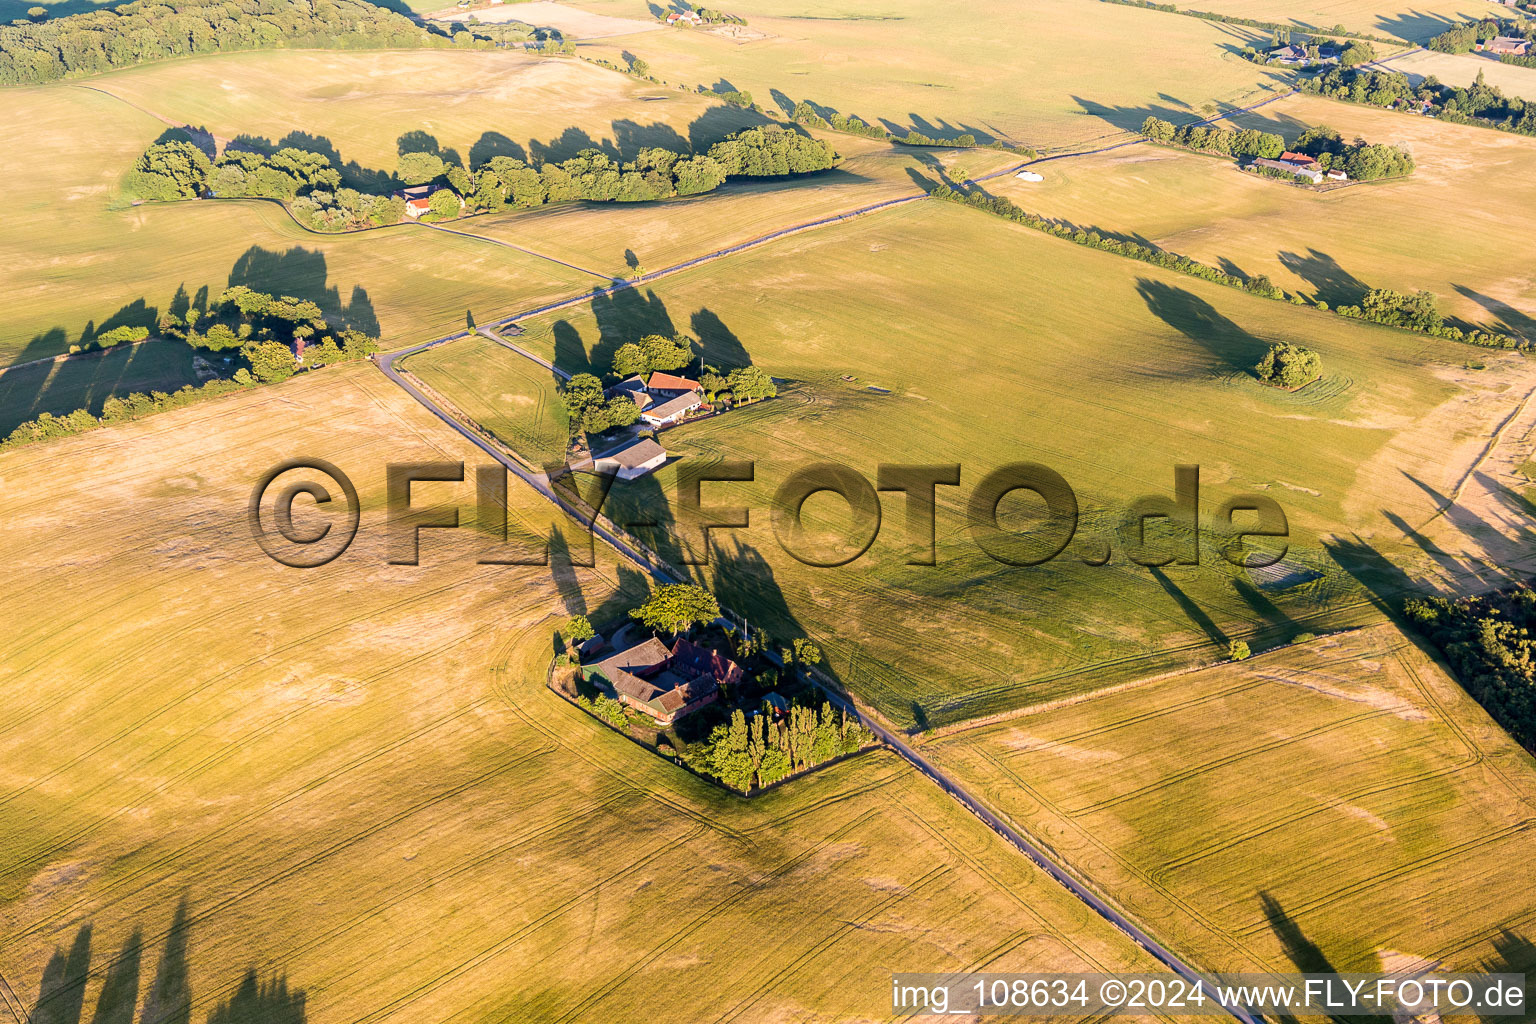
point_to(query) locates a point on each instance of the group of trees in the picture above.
(1361, 160)
(1488, 642)
(808, 114)
(1289, 366)
(150, 30)
(652, 352)
(1247, 142)
(676, 608)
(268, 332)
(1462, 38)
(1420, 312)
(588, 412)
(749, 755)
(307, 181)
(1479, 103)
(1349, 54)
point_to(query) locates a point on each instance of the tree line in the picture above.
(270, 334)
(1478, 104)
(1361, 160)
(750, 755)
(1378, 306)
(151, 30)
(1488, 642)
(313, 189)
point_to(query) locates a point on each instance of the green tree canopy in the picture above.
(1289, 365)
(677, 607)
(419, 168)
(170, 170)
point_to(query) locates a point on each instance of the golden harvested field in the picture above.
(354, 780)
(1332, 245)
(1033, 73)
(1032, 349)
(1340, 805)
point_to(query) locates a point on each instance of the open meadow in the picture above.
(1052, 73)
(1462, 69)
(1002, 375)
(1340, 805)
(352, 780)
(1473, 194)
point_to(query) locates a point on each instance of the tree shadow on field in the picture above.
(1276, 622)
(1512, 954)
(1385, 583)
(630, 137)
(570, 352)
(566, 145)
(1416, 26)
(626, 315)
(630, 590)
(491, 145)
(168, 999)
(1510, 320)
(1307, 957)
(1187, 605)
(721, 346)
(1330, 282)
(718, 122)
(1229, 346)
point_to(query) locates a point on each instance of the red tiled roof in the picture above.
(667, 382)
(1298, 158)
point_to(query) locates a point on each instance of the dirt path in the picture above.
(513, 245)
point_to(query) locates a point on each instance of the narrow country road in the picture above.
(663, 573)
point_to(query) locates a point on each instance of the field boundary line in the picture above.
(513, 245)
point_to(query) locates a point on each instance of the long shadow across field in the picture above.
(168, 999)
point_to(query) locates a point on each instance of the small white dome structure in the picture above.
(1029, 176)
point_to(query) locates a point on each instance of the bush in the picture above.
(1239, 650)
(1289, 366)
(1301, 638)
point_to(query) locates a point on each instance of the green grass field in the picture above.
(353, 778)
(526, 414)
(87, 381)
(1047, 74)
(1331, 245)
(1337, 806)
(1032, 349)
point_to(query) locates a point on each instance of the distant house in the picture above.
(664, 683)
(1299, 159)
(1295, 53)
(630, 461)
(634, 387)
(1312, 174)
(1337, 175)
(416, 198)
(1511, 45)
(673, 409)
(779, 704)
(684, 18)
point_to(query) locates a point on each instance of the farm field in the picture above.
(906, 63)
(477, 103)
(79, 259)
(352, 781)
(1332, 245)
(1462, 69)
(635, 238)
(1038, 317)
(88, 381)
(1339, 805)
(525, 414)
